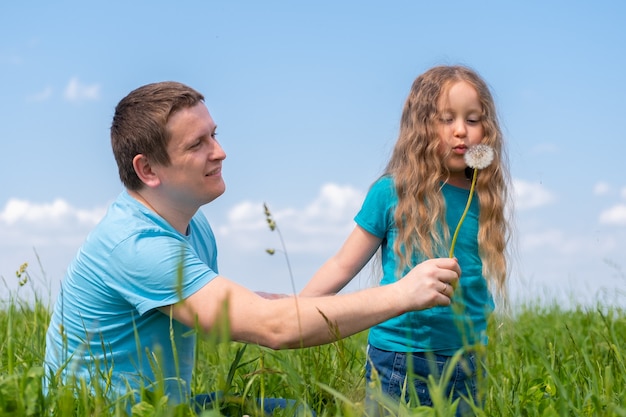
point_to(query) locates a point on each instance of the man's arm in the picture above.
(278, 324)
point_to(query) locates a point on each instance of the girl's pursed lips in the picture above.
(460, 149)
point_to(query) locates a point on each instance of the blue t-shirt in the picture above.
(106, 319)
(443, 330)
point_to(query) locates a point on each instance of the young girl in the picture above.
(410, 213)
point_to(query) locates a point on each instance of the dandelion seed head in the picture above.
(479, 156)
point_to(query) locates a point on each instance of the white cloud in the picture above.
(530, 195)
(57, 212)
(310, 233)
(326, 219)
(335, 202)
(601, 188)
(615, 215)
(75, 91)
(46, 235)
(562, 244)
(245, 216)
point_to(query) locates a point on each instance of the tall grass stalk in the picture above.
(274, 227)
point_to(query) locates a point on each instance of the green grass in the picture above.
(542, 361)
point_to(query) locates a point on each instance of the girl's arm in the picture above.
(337, 272)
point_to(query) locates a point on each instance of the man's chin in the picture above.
(216, 194)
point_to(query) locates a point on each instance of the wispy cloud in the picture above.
(13, 60)
(551, 238)
(615, 215)
(601, 188)
(40, 96)
(76, 91)
(529, 195)
(544, 148)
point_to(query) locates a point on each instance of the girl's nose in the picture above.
(459, 129)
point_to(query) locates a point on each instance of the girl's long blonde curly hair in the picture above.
(418, 172)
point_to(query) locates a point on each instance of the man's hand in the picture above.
(271, 295)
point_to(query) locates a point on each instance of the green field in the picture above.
(541, 361)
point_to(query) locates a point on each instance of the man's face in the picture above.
(194, 175)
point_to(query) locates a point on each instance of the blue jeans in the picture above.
(392, 369)
(214, 400)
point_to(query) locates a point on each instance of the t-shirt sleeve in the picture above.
(158, 269)
(376, 215)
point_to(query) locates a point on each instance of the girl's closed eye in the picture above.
(446, 118)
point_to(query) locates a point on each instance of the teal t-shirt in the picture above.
(443, 330)
(105, 320)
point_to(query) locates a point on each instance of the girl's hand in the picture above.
(430, 284)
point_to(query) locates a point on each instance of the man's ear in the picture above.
(144, 171)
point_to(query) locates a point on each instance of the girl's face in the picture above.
(459, 127)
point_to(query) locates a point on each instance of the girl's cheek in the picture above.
(442, 148)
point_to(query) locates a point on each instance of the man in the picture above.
(147, 274)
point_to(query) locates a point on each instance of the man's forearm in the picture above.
(304, 321)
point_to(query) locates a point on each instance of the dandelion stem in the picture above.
(467, 206)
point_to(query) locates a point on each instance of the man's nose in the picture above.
(217, 152)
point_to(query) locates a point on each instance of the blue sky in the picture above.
(307, 97)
